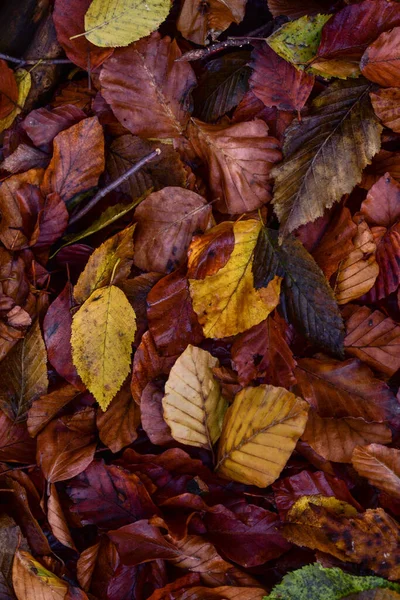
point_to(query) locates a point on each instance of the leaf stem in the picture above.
(114, 184)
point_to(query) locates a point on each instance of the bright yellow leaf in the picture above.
(259, 434)
(193, 405)
(111, 23)
(103, 330)
(23, 79)
(227, 302)
(112, 260)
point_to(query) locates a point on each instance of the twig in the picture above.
(114, 184)
(46, 61)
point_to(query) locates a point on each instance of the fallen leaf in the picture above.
(193, 405)
(24, 82)
(32, 580)
(380, 465)
(103, 330)
(8, 90)
(148, 65)
(46, 407)
(322, 158)
(386, 106)
(166, 221)
(15, 444)
(118, 425)
(57, 519)
(227, 303)
(380, 62)
(239, 160)
(108, 23)
(23, 375)
(196, 22)
(291, 8)
(25, 158)
(43, 124)
(263, 417)
(151, 412)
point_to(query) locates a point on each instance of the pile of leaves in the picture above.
(199, 304)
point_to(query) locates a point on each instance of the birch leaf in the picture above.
(193, 405)
(103, 330)
(259, 434)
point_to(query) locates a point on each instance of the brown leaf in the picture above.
(382, 163)
(57, 519)
(239, 159)
(382, 204)
(118, 424)
(373, 338)
(166, 221)
(137, 290)
(8, 90)
(78, 160)
(46, 407)
(43, 124)
(172, 320)
(15, 443)
(278, 83)
(65, 447)
(69, 21)
(151, 411)
(381, 62)
(32, 580)
(292, 9)
(386, 106)
(325, 524)
(196, 22)
(86, 565)
(380, 465)
(25, 158)
(210, 252)
(148, 65)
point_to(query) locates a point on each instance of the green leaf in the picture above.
(318, 583)
(298, 41)
(222, 86)
(309, 300)
(111, 23)
(325, 153)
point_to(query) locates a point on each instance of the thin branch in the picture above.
(46, 61)
(114, 184)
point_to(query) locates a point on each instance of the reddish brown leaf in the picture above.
(57, 520)
(78, 160)
(196, 22)
(151, 411)
(57, 329)
(147, 365)
(386, 106)
(373, 338)
(15, 443)
(172, 320)
(380, 465)
(239, 160)
(8, 90)
(25, 158)
(109, 496)
(278, 83)
(43, 124)
(380, 62)
(166, 221)
(68, 18)
(148, 65)
(137, 290)
(210, 252)
(292, 9)
(118, 425)
(141, 542)
(65, 447)
(382, 205)
(382, 163)
(46, 407)
(223, 592)
(263, 353)
(86, 565)
(176, 588)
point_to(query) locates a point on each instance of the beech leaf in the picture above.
(24, 82)
(386, 103)
(32, 580)
(381, 62)
(193, 405)
(325, 153)
(110, 23)
(259, 434)
(103, 330)
(380, 465)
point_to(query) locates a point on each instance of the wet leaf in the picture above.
(264, 417)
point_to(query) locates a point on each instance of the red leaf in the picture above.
(15, 443)
(8, 90)
(43, 124)
(151, 411)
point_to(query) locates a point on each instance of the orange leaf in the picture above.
(380, 465)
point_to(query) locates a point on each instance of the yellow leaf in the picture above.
(113, 259)
(338, 506)
(193, 405)
(103, 330)
(110, 23)
(227, 302)
(260, 431)
(32, 581)
(23, 79)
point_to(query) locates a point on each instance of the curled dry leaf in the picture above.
(57, 519)
(148, 65)
(8, 90)
(358, 272)
(210, 252)
(24, 82)
(380, 62)
(193, 405)
(261, 418)
(166, 221)
(324, 157)
(386, 106)
(380, 465)
(78, 160)
(118, 425)
(196, 22)
(373, 338)
(227, 303)
(103, 330)
(239, 159)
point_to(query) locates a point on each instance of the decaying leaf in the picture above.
(110, 23)
(24, 82)
(227, 303)
(193, 405)
(380, 465)
(103, 330)
(380, 62)
(259, 434)
(32, 580)
(386, 106)
(325, 153)
(196, 21)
